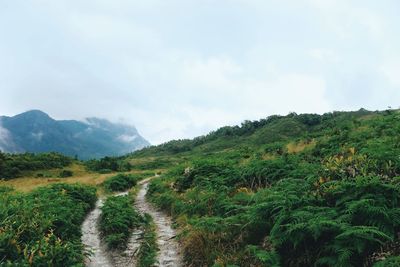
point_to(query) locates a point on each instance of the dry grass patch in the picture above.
(26, 184)
(296, 147)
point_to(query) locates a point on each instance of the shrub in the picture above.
(13, 165)
(65, 173)
(117, 220)
(120, 182)
(42, 228)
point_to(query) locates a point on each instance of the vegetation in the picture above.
(66, 173)
(14, 165)
(42, 228)
(108, 164)
(121, 182)
(296, 190)
(148, 248)
(118, 219)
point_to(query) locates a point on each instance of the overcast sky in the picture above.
(180, 68)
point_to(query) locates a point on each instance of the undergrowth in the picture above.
(148, 248)
(117, 221)
(121, 182)
(42, 228)
(244, 197)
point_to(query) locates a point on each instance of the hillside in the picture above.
(35, 131)
(295, 190)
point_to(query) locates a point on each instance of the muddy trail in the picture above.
(168, 254)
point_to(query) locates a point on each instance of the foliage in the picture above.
(13, 165)
(108, 164)
(148, 248)
(242, 198)
(65, 173)
(389, 262)
(117, 220)
(42, 228)
(121, 182)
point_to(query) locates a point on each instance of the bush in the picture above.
(65, 173)
(42, 228)
(108, 164)
(120, 182)
(13, 165)
(117, 220)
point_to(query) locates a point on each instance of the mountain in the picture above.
(35, 131)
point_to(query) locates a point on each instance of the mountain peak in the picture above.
(34, 114)
(36, 131)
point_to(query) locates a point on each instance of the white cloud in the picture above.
(6, 142)
(178, 74)
(127, 138)
(37, 136)
(391, 70)
(325, 55)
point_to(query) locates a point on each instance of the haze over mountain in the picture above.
(36, 131)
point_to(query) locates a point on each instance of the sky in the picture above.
(181, 68)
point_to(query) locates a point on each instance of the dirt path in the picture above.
(169, 254)
(91, 239)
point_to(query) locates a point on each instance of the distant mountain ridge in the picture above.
(36, 131)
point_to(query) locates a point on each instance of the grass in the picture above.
(30, 181)
(148, 249)
(296, 147)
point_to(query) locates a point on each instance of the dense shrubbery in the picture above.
(270, 129)
(325, 192)
(42, 228)
(13, 165)
(121, 182)
(117, 220)
(295, 190)
(108, 164)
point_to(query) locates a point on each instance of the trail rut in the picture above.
(91, 239)
(168, 256)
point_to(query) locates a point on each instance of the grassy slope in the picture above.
(30, 181)
(274, 192)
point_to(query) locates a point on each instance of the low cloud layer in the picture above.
(177, 69)
(6, 142)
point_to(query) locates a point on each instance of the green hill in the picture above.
(295, 190)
